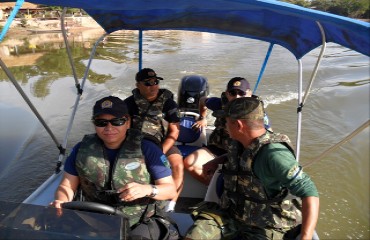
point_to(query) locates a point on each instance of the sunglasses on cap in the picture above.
(151, 82)
(235, 92)
(114, 122)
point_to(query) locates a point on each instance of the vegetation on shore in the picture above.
(359, 9)
(348, 8)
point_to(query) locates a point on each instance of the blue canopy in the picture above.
(292, 27)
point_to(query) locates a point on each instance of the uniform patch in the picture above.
(294, 172)
(106, 104)
(131, 166)
(165, 161)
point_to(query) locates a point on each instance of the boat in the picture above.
(297, 29)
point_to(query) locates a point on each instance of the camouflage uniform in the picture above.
(266, 120)
(150, 120)
(219, 136)
(99, 185)
(244, 203)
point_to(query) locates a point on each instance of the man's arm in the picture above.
(159, 169)
(276, 166)
(202, 122)
(66, 189)
(170, 110)
(310, 214)
(70, 181)
(172, 135)
(203, 107)
(165, 189)
(211, 166)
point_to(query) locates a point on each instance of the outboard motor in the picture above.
(191, 89)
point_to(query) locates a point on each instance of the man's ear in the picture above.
(240, 124)
(128, 122)
(137, 84)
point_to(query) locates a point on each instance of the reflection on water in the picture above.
(11, 142)
(338, 104)
(354, 84)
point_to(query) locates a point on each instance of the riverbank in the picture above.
(73, 24)
(30, 26)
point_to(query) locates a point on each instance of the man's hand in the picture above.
(57, 204)
(210, 167)
(197, 126)
(133, 191)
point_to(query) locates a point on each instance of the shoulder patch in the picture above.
(165, 161)
(295, 172)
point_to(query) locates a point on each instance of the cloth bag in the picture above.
(156, 226)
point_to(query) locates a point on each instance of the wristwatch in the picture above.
(154, 191)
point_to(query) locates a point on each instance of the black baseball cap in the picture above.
(110, 105)
(146, 73)
(238, 83)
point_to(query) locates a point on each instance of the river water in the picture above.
(337, 105)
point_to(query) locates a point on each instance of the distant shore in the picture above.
(72, 24)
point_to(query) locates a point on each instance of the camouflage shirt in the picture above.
(245, 196)
(99, 181)
(151, 120)
(219, 136)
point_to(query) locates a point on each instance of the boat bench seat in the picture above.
(189, 140)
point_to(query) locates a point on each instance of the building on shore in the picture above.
(27, 9)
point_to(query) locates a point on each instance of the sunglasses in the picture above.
(237, 92)
(114, 122)
(151, 82)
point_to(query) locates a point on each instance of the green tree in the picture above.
(303, 3)
(348, 8)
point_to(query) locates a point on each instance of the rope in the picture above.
(331, 149)
(263, 67)
(16, 8)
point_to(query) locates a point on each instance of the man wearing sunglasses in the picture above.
(219, 139)
(115, 166)
(155, 114)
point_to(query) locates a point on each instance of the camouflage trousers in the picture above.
(213, 223)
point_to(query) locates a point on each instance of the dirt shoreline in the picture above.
(72, 24)
(21, 31)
